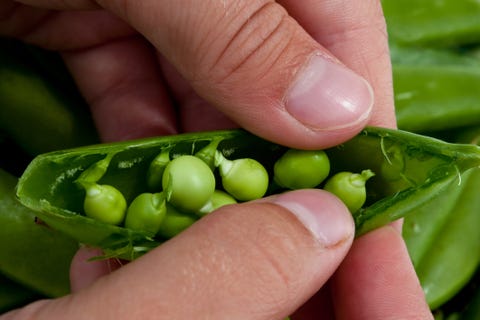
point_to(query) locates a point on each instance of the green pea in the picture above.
(174, 222)
(146, 212)
(188, 183)
(104, 203)
(299, 169)
(219, 199)
(245, 179)
(207, 153)
(350, 188)
(156, 169)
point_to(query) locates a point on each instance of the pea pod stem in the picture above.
(95, 172)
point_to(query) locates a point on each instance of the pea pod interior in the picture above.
(409, 169)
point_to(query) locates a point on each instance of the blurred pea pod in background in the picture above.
(435, 89)
(436, 75)
(433, 23)
(40, 107)
(31, 253)
(40, 110)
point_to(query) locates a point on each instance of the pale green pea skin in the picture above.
(245, 179)
(104, 203)
(146, 212)
(219, 199)
(300, 169)
(174, 222)
(188, 183)
(350, 188)
(156, 169)
(207, 153)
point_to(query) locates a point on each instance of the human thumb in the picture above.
(255, 63)
(256, 260)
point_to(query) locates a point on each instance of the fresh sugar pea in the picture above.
(146, 212)
(175, 222)
(442, 235)
(102, 202)
(410, 169)
(245, 179)
(433, 23)
(105, 203)
(218, 199)
(31, 254)
(41, 109)
(443, 240)
(188, 183)
(300, 169)
(350, 188)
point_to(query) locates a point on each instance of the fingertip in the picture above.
(323, 214)
(377, 280)
(84, 271)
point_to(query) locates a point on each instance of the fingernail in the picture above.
(321, 213)
(327, 95)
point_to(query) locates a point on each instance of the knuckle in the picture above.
(257, 38)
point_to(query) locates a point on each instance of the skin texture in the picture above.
(198, 67)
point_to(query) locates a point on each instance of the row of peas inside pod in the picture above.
(409, 170)
(185, 187)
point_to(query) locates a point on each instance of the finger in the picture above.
(377, 280)
(123, 86)
(79, 29)
(62, 4)
(355, 32)
(257, 260)
(84, 272)
(195, 114)
(256, 64)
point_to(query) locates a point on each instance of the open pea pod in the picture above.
(409, 169)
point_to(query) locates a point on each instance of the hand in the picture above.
(161, 67)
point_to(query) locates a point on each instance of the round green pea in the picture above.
(350, 188)
(146, 212)
(105, 203)
(219, 199)
(245, 179)
(174, 222)
(300, 169)
(188, 183)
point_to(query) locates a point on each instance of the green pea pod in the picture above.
(409, 169)
(436, 97)
(427, 56)
(433, 23)
(38, 113)
(435, 89)
(442, 235)
(443, 239)
(30, 252)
